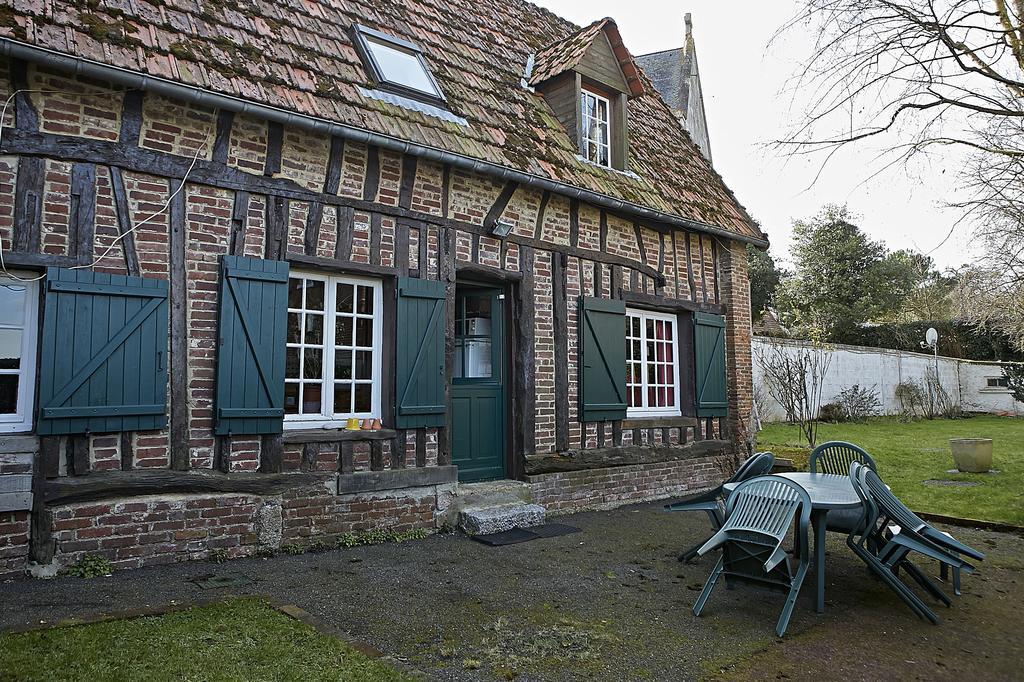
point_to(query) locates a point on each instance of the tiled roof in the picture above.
(297, 55)
(565, 54)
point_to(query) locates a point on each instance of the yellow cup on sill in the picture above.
(352, 425)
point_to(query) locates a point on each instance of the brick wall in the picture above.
(573, 491)
(13, 541)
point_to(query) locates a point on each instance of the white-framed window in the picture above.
(596, 113)
(997, 383)
(333, 359)
(19, 308)
(652, 367)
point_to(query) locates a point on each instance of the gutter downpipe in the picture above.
(80, 66)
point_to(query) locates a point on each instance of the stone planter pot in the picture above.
(972, 455)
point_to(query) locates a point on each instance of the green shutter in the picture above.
(419, 366)
(103, 357)
(602, 360)
(709, 361)
(251, 345)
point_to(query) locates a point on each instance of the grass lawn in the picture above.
(240, 639)
(908, 454)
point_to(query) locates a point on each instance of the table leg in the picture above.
(818, 523)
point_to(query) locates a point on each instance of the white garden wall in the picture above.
(881, 368)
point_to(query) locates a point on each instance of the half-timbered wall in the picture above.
(105, 161)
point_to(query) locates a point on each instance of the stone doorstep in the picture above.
(493, 493)
(487, 520)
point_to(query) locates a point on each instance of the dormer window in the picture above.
(396, 65)
(587, 79)
(596, 119)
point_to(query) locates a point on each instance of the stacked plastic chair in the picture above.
(889, 533)
(712, 502)
(835, 457)
(758, 515)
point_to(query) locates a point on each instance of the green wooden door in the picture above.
(478, 384)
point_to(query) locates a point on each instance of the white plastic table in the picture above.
(827, 492)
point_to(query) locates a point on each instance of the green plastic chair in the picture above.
(886, 553)
(712, 501)
(759, 513)
(835, 457)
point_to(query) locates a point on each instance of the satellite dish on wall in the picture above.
(931, 337)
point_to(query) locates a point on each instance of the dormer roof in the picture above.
(569, 53)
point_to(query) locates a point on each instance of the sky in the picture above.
(747, 104)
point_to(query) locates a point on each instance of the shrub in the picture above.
(90, 566)
(859, 403)
(834, 413)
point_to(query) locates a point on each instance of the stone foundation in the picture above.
(572, 491)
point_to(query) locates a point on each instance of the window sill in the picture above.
(656, 421)
(334, 435)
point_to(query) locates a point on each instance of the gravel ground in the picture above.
(609, 603)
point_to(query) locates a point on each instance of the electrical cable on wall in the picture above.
(163, 209)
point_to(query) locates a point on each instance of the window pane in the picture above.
(401, 67)
(314, 329)
(364, 304)
(12, 303)
(478, 358)
(312, 363)
(342, 366)
(635, 398)
(343, 331)
(291, 398)
(343, 304)
(342, 397)
(294, 328)
(364, 397)
(295, 292)
(311, 399)
(457, 360)
(10, 348)
(314, 294)
(364, 332)
(8, 393)
(364, 364)
(291, 363)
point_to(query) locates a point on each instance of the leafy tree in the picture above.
(1015, 380)
(765, 277)
(920, 77)
(842, 278)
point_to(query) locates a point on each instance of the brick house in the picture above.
(234, 235)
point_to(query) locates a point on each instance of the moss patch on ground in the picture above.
(238, 639)
(908, 454)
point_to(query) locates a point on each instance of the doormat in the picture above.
(517, 535)
(210, 582)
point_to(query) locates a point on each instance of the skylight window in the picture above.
(397, 65)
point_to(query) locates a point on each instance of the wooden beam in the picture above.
(131, 118)
(446, 264)
(179, 438)
(310, 452)
(25, 115)
(574, 222)
(371, 481)
(538, 229)
(347, 464)
(446, 189)
(271, 453)
(342, 266)
(106, 485)
(405, 189)
(239, 220)
(499, 205)
(371, 181)
(487, 272)
(658, 422)
(41, 544)
(703, 278)
(402, 247)
(375, 235)
(421, 447)
(335, 162)
(560, 322)
(525, 388)
(277, 228)
(690, 280)
(28, 203)
(343, 241)
(83, 211)
(314, 217)
(376, 456)
(49, 462)
(222, 141)
(334, 435)
(127, 451)
(604, 231)
(124, 223)
(656, 302)
(78, 454)
(275, 142)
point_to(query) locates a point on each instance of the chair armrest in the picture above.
(946, 540)
(708, 499)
